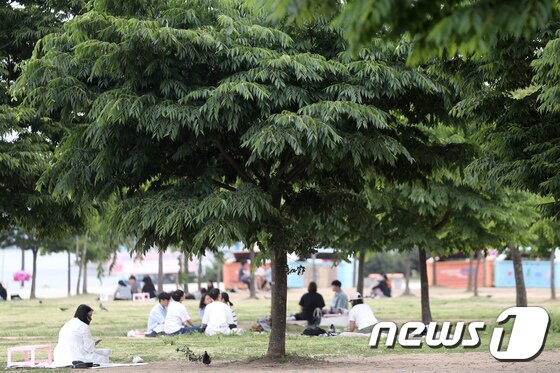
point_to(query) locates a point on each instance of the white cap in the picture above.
(355, 296)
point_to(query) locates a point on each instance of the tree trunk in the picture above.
(314, 268)
(424, 289)
(476, 273)
(35, 251)
(407, 277)
(22, 265)
(79, 262)
(434, 270)
(186, 273)
(484, 267)
(279, 292)
(219, 274)
(521, 292)
(199, 275)
(84, 264)
(160, 272)
(552, 275)
(469, 278)
(361, 261)
(253, 287)
(354, 270)
(69, 274)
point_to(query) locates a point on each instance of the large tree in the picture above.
(210, 124)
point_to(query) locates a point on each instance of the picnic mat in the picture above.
(116, 365)
(101, 366)
(336, 320)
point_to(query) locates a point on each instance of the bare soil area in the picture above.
(548, 361)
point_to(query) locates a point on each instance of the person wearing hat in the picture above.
(217, 316)
(360, 318)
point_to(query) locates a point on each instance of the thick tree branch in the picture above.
(242, 174)
(297, 170)
(265, 169)
(284, 163)
(6, 44)
(258, 175)
(223, 185)
(444, 220)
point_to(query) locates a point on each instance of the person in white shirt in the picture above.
(178, 320)
(217, 316)
(224, 297)
(360, 318)
(156, 320)
(75, 342)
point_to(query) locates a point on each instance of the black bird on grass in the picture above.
(102, 307)
(206, 358)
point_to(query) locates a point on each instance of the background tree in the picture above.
(27, 142)
(546, 239)
(438, 28)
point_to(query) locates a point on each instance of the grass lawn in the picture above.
(31, 322)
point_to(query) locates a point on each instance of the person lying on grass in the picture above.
(75, 342)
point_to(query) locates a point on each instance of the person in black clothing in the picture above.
(309, 303)
(149, 286)
(383, 288)
(3, 292)
(243, 277)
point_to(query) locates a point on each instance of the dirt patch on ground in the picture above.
(548, 361)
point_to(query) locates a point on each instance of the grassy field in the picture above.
(32, 322)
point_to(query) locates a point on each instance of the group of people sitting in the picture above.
(361, 318)
(263, 276)
(124, 291)
(170, 316)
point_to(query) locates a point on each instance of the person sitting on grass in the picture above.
(243, 277)
(382, 289)
(123, 292)
(311, 304)
(360, 318)
(217, 316)
(134, 287)
(204, 301)
(177, 320)
(156, 320)
(3, 292)
(339, 302)
(75, 342)
(148, 287)
(224, 297)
